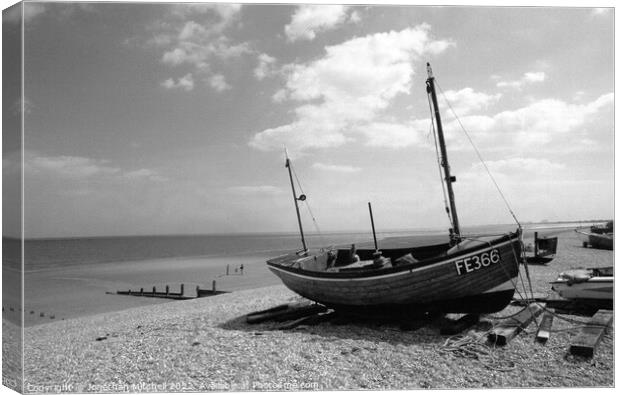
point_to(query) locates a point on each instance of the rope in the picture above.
(480, 157)
(470, 346)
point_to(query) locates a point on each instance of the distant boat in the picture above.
(544, 250)
(475, 274)
(594, 285)
(597, 236)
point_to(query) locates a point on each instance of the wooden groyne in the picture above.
(168, 294)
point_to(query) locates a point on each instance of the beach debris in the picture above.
(544, 329)
(586, 341)
(503, 333)
(451, 324)
(100, 338)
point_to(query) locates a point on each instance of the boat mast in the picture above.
(455, 233)
(295, 199)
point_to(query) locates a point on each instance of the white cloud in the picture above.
(532, 126)
(517, 167)
(308, 20)
(392, 135)
(529, 77)
(467, 100)
(145, 174)
(186, 83)
(265, 66)
(538, 76)
(75, 167)
(336, 168)
(218, 82)
(194, 35)
(348, 87)
(78, 168)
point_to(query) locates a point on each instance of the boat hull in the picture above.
(594, 288)
(603, 241)
(450, 284)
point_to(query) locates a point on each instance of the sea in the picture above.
(59, 252)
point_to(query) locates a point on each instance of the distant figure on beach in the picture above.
(241, 268)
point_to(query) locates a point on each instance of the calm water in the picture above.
(48, 253)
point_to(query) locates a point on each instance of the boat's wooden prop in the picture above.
(544, 329)
(505, 332)
(587, 340)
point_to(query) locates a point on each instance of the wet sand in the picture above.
(76, 291)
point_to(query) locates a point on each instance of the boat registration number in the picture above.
(476, 262)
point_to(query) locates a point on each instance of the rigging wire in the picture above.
(480, 157)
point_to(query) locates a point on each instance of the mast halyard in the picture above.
(295, 199)
(455, 233)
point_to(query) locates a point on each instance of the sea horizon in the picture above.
(526, 224)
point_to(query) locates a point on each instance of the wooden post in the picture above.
(535, 243)
(585, 342)
(544, 330)
(503, 333)
(182, 290)
(214, 288)
(197, 291)
(167, 289)
(227, 269)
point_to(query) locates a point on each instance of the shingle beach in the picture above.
(206, 345)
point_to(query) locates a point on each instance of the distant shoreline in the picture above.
(314, 233)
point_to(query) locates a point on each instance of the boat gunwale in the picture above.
(391, 271)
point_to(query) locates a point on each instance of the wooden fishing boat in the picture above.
(596, 236)
(475, 274)
(595, 285)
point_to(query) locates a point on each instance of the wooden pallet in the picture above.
(502, 334)
(587, 340)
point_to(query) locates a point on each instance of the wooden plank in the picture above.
(309, 320)
(289, 313)
(587, 340)
(544, 330)
(505, 332)
(457, 323)
(270, 310)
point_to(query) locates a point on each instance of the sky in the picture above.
(172, 118)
